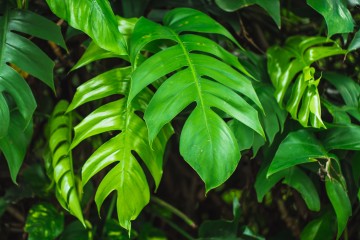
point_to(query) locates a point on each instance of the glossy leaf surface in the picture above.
(132, 187)
(346, 137)
(290, 71)
(297, 148)
(338, 18)
(62, 162)
(93, 17)
(198, 76)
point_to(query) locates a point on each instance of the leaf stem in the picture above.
(174, 210)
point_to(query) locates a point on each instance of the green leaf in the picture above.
(345, 137)
(320, 228)
(44, 222)
(123, 149)
(340, 201)
(15, 143)
(347, 87)
(199, 76)
(338, 18)
(263, 184)
(271, 7)
(355, 42)
(290, 71)
(297, 148)
(63, 174)
(17, 103)
(95, 18)
(221, 229)
(4, 116)
(76, 231)
(298, 180)
(92, 53)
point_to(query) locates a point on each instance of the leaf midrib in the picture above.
(198, 86)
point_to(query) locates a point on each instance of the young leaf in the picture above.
(297, 148)
(59, 143)
(95, 18)
(200, 75)
(44, 222)
(338, 18)
(294, 59)
(340, 201)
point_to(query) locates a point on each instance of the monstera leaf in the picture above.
(62, 163)
(126, 176)
(200, 72)
(292, 64)
(17, 103)
(95, 18)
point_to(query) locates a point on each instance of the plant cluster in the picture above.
(250, 106)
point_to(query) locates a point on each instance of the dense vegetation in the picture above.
(211, 119)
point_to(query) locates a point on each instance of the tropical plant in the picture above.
(208, 82)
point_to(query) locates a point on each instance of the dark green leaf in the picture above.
(76, 231)
(298, 180)
(323, 227)
(271, 7)
(263, 184)
(44, 222)
(338, 18)
(297, 148)
(355, 42)
(342, 137)
(15, 143)
(340, 201)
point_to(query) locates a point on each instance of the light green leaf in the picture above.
(297, 148)
(243, 134)
(345, 137)
(132, 188)
(44, 222)
(290, 71)
(190, 20)
(340, 201)
(338, 18)
(198, 76)
(271, 7)
(298, 180)
(92, 53)
(323, 227)
(63, 174)
(95, 18)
